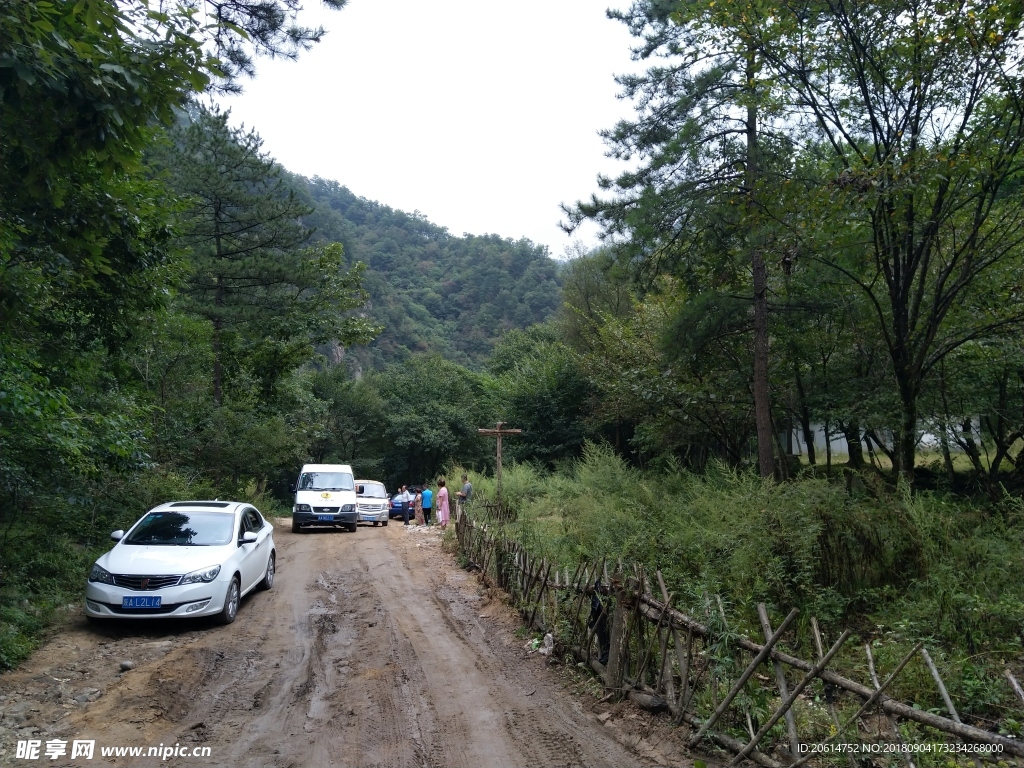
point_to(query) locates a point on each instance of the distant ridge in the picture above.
(433, 291)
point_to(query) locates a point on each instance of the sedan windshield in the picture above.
(374, 491)
(183, 529)
(326, 481)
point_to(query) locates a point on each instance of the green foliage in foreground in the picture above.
(893, 568)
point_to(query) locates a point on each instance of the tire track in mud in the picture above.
(369, 651)
(457, 682)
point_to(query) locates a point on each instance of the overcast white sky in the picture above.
(481, 115)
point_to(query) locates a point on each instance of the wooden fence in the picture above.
(742, 694)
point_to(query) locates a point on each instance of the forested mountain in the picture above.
(433, 291)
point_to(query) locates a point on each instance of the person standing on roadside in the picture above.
(428, 503)
(405, 497)
(467, 491)
(442, 504)
(417, 503)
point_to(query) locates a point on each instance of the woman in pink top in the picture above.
(442, 504)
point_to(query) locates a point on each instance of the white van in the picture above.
(325, 494)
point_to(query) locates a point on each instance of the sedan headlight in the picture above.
(348, 507)
(303, 508)
(203, 575)
(100, 574)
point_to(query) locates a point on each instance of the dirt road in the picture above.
(372, 649)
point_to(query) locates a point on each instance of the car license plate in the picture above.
(327, 518)
(140, 602)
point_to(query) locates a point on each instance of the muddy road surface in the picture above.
(372, 649)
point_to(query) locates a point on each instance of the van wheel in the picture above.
(295, 527)
(351, 527)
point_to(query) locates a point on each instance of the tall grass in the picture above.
(896, 566)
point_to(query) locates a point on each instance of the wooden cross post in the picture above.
(497, 432)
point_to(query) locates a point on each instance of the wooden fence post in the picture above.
(867, 704)
(819, 646)
(1013, 683)
(787, 705)
(619, 639)
(944, 693)
(738, 685)
(892, 720)
(780, 680)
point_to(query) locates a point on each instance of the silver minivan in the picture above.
(372, 502)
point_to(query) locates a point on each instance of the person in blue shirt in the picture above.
(428, 503)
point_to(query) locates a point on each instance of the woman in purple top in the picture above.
(442, 504)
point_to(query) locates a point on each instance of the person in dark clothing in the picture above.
(406, 498)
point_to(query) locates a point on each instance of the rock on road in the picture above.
(371, 650)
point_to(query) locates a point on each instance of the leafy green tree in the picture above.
(914, 109)
(268, 294)
(433, 409)
(707, 151)
(541, 390)
(689, 401)
(83, 244)
(977, 406)
(351, 430)
(593, 289)
(888, 150)
(86, 260)
(239, 30)
(167, 362)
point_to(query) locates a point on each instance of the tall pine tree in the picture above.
(267, 292)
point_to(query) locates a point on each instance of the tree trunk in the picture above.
(997, 428)
(971, 447)
(904, 452)
(904, 448)
(218, 373)
(826, 429)
(854, 448)
(762, 403)
(871, 451)
(947, 459)
(1003, 446)
(218, 303)
(805, 417)
(890, 453)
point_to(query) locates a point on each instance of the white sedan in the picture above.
(184, 559)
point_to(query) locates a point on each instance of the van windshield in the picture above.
(374, 491)
(326, 481)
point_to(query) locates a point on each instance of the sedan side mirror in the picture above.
(249, 537)
(117, 535)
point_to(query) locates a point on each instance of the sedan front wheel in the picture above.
(230, 610)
